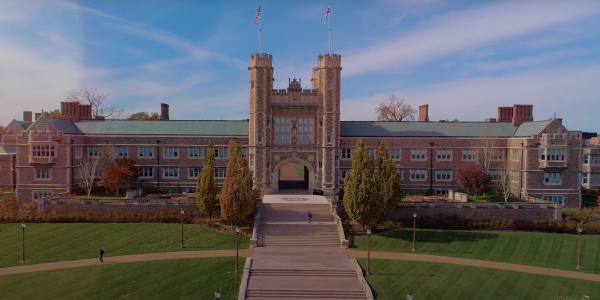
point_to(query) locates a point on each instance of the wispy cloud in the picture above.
(464, 30)
(529, 61)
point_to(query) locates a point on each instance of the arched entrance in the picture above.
(293, 174)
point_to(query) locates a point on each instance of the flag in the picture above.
(327, 13)
(257, 14)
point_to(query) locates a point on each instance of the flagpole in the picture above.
(259, 32)
(329, 30)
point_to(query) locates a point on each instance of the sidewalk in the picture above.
(475, 263)
(122, 259)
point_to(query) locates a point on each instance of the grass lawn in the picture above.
(57, 242)
(393, 279)
(299, 170)
(168, 279)
(549, 250)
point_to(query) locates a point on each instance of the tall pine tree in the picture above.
(360, 197)
(388, 181)
(206, 187)
(237, 196)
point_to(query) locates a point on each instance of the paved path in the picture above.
(123, 259)
(475, 263)
(295, 198)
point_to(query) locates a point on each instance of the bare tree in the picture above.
(395, 109)
(97, 100)
(503, 180)
(486, 150)
(91, 167)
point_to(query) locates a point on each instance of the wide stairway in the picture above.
(297, 260)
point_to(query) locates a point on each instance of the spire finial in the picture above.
(555, 115)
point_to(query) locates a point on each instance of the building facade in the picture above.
(302, 127)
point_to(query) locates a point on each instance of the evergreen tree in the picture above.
(238, 195)
(206, 187)
(390, 192)
(360, 198)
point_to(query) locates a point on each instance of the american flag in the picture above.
(257, 14)
(327, 13)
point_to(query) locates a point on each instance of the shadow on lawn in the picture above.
(431, 236)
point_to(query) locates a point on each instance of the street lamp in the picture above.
(237, 260)
(579, 230)
(217, 294)
(409, 296)
(414, 230)
(369, 252)
(23, 243)
(182, 212)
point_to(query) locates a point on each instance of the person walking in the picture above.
(101, 254)
(309, 216)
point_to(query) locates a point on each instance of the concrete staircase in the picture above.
(298, 235)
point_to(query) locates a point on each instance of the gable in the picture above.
(14, 127)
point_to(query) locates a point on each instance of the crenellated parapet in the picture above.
(329, 61)
(261, 61)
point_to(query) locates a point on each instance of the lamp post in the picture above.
(409, 296)
(182, 212)
(237, 260)
(217, 294)
(431, 169)
(579, 230)
(369, 252)
(414, 230)
(23, 244)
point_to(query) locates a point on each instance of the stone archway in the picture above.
(293, 160)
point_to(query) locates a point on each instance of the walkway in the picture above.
(475, 263)
(123, 259)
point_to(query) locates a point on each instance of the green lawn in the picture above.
(57, 242)
(393, 279)
(167, 279)
(549, 250)
(299, 170)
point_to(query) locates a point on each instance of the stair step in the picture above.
(302, 273)
(307, 294)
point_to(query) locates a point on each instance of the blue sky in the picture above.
(463, 58)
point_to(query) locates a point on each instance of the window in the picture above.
(252, 84)
(585, 159)
(41, 194)
(328, 139)
(441, 192)
(595, 178)
(584, 178)
(221, 152)
(245, 151)
(220, 172)
(343, 173)
(146, 152)
(443, 175)
(498, 154)
(193, 172)
(418, 154)
(329, 85)
(468, 154)
(553, 154)
(170, 172)
(595, 158)
(514, 154)
(444, 154)
(514, 176)
(305, 130)
(78, 152)
(282, 130)
(120, 151)
(373, 152)
(395, 154)
(171, 152)
(495, 175)
(94, 151)
(418, 175)
(42, 173)
(346, 153)
(554, 198)
(146, 172)
(259, 137)
(251, 160)
(195, 152)
(552, 178)
(42, 150)
(320, 164)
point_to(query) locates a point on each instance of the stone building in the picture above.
(300, 127)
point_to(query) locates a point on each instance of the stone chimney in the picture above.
(505, 114)
(27, 119)
(164, 111)
(522, 113)
(424, 113)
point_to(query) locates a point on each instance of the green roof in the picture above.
(65, 126)
(436, 129)
(165, 127)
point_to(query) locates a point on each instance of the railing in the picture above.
(479, 204)
(338, 221)
(254, 239)
(362, 280)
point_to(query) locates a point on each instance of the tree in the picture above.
(486, 150)
(130, 164)
(144, 116)
(237, 197)
(55, 114)
(91, 167)
(361, 194)
(503, 181)
(206, 188)
(390, 192)
(473, 178)
(395, 109)
(115, 177)
(97, 100)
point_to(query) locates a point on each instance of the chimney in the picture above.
(164, 111)
(490, 120)
(505, 114)
(424, 113)
(27, 115)
(522, 113)
(37, 116)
